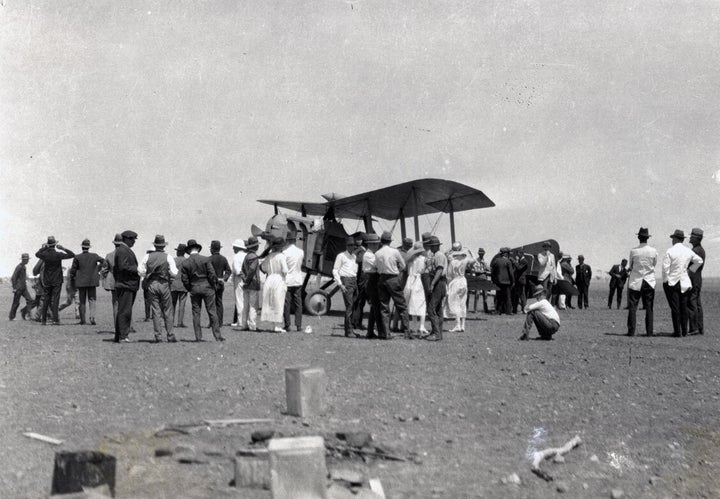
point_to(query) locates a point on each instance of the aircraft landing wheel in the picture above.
(317, 302)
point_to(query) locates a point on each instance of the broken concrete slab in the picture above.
(351, 477)
(261, 435)
(75, 470)
(305, 391)
(252, 468)
(297, 468)
(357, 439)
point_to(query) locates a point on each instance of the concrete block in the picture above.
(75, 470)
(252, 468)
(297, 468)
(305, 391)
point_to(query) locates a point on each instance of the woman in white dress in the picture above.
(414, 291)
(456, 305)
(273, 293)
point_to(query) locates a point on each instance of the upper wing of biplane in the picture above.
(410, 199)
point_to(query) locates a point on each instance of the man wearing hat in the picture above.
(521, 266)
(395, 324)
(127, 283)
(106, 274)
(547, 270)
(566, 271)
(345, 274)
(502, 275)
(371, 287)
(482, 271)
(294, 280)
(438, 289)
(85, 274)
(236, 267)
(52, 277)
(618, 276)
(178, 293)
(223, 273)
(390, 265)
(425, 276)
(676, 282)
(158, 268)
(641, 284)
(361, 297)
(694, 303)
(583, 276)
(250, 286)
(199, 278)
(542, 314)
(19, 287)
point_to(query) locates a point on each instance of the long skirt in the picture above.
(415, 295)
(273, 301)
(456, 304)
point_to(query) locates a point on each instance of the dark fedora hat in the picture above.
(426, 237)
(680, 234)
(350, 241)
(372, 239)
(538, 289)
(51, 242)
(181, 247)
(434, 241)
(644, 232)
(215, 245)
(85, 244)
(192, 243)
(159, 241)
(118, 239)
(386, 236)
(697, 232)
(252, 243)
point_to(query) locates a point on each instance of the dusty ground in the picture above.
(472, 406)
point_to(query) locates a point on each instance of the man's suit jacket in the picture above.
(198, 274)
(502, 271)
(696, 277)
(125, 269)
(521, 268)
(618, 276)
(583, 274)
(85, 268)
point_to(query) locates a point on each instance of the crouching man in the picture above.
(542, 314)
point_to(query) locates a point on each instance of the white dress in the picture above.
(414, 290)
(273, 294)
(457, 289)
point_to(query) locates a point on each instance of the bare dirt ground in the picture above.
(472, 408)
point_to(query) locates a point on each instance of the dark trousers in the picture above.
(518, 297)
(678, 302)
(349, 295)
(390, 286)
(695, 310)
(613, 290)
(435, 307)
(123, 321)
(197, 297)
(548, 285)
(293, 303)
(546, 327)
(52, 300)
(583, 290)
(647, 294)
(113, 299)
(146, 302)
(374, 318)
(29, 302)
(219, 309)
(89, 295)
(178, 303)
(504, 298)
(360, 301)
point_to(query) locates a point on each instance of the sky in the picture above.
(582, 121)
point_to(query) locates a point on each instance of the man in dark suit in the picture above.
(199, 278)
(223, 272)
(518, 291)
(177, 289)
(84, 272)
(695, 308)
(502, 274)
(52, 277)
(127, 283)
(583, 276)
(19, 287)
(618, 276)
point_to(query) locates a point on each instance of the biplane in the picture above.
(322, 236)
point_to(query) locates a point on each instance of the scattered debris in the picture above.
(163, 452)
(297, 467)
(252, 468)
(617, 494)
(558, 459)
(230, 422)
(547, 453)
(594, 458)
(340, 450)
(513, 479)
(561, 487)
(75, 470)
(351, 477)
(357, 439)
(377, 487)
(653, 480)
(43, 438)
(261, 436)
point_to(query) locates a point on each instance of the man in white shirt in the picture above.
(676, 281)
(369, 269)
(293, 281)
(345, 275)
(542, 314)
(236, 267)
(643, 259)
(158, 268)
(547, 271)
(390, 264)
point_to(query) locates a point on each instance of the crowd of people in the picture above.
(421, 281)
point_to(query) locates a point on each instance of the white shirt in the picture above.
(294, 257)
(142, 270)
(643, 260)
(368, 263)
(389, 261)
(544, 307)
(345, 266)
(236, 265)
(675, 266)
(547, 266)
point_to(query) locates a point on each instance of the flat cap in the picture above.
(129, 234)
